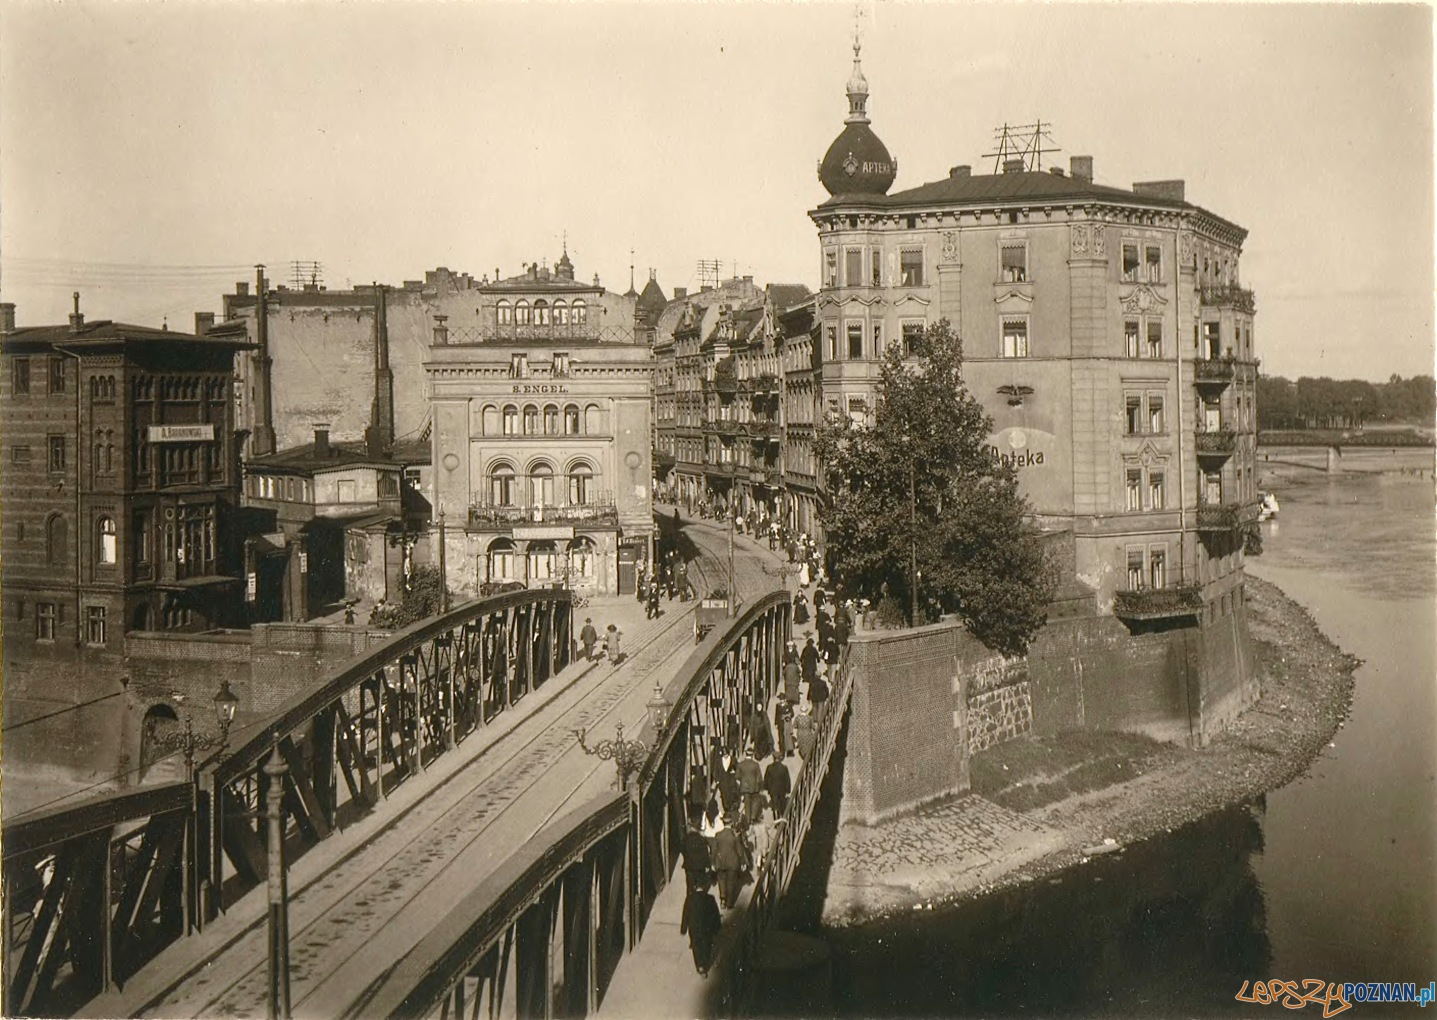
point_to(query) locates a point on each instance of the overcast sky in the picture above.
(151, 153)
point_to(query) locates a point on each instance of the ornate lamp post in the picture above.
(627, 755)
(658, 708)
(277, 997)
(188, 741)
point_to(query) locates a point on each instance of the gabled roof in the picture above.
(784, 296)
(103, 332)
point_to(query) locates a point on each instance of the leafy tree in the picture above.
(918, 480)
(422, 597)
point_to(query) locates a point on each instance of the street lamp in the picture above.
(627, 755)
(658, 708)
(188, 741)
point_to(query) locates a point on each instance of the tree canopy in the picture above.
(1325, 403)
(421, 599)
(918, 481)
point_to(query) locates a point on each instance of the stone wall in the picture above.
(1000, 703)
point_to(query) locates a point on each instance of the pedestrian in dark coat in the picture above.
(842, 626)
(783, 722)
(728, 862)
(588, 637)
(830, 650)
(792, 677)
(778, 783)
(800, 609)
(698, 792)
(818, 697)
(651, 607)
(698, 862)
(729, 792)
(810, 663)
(702, 923)
(750, 784)
(760, 734)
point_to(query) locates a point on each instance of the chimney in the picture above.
(680, 293)
(441, 331)
(1014, 166)
(204, 322)
(242, 288)
(1081, 167)
(748, 278)
(77, 318)
(321, 439)
(379, 437)
(1172, 190)
(1057, 171)
(7, 317)
(263, 442)
(961, 170)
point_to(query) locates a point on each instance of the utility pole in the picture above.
(278, 998)
(913, 537)
(443, 573)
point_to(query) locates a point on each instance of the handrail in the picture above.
(45, 827)
(302, 706)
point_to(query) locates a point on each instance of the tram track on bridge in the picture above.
(337, 919)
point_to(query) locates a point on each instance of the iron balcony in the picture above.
(1220, 443)
(1158, 603)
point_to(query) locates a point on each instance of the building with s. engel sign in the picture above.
(120, 491)
(1106, 332)
(542, 460)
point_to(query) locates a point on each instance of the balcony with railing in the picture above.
(723, 426)
(765, 475)
(1215, 372)
(763, 429)
(1229, 297)
(600, 510)
(1225, 517)
(1215, 443)
(1171, 602)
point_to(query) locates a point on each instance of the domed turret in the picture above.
(857, 163)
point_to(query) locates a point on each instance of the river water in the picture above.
(1333, 876)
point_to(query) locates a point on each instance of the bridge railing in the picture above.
(142, 868)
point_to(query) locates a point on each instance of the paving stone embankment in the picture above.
(971, 846)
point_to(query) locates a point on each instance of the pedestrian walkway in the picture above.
(364, 897)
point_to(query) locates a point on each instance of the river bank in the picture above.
(1040, 806)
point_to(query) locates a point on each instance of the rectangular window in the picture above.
(878, 339)
(855, 339)
(1134, 488)
(57, 453)
(1015, 338)
(141, 542)
(912, 338)
(1130, 339)
(45, 621)
(20, 376)
(1153, 257)
(832, 343)
(853, 267)
(1135, 569)
(1155, 414)
(1212, 489)
(830, 269)
(858, 409)
(1157, 491)
(1155, 339)
(95, 625)
(560, 367)
(1014, 263)
(57, 375)
(875, 258)
(518, 366)
(1212, 340)
(20, 455)
(1130, 263)
(911, 268)
(1158, 568)
(1133, 413)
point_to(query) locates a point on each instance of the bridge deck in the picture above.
(366, 896)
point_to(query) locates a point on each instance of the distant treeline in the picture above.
(1344, 437)
(1322, 403)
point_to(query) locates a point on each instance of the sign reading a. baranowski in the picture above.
(180, 433)
(1022, 448)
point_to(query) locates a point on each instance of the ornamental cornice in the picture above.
(1140, 298)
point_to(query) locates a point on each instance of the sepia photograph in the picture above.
(717, 509)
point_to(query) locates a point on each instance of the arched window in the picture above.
(541, 312)
(505, 312)
(501, 484)
(511, 420)
(521, 312)
(581, 312)
(593, 420)
(581, 483)
(107, 548)
(561, 313)
(490, 420)
(543, 561)
(582, 558)
(501, 560)
(551, 420)
(571, 420)
(541, 484)
(57, 540)
(531, 420)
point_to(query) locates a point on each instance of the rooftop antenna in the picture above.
(708, 272)
(631, 269)
(1022, 141)
(306, 272)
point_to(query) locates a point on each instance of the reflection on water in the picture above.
(1171, 927)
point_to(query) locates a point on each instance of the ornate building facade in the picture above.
(541, 443)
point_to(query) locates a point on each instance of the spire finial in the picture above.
(857, 84)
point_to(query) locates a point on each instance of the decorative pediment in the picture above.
(860, 299)
(1013, 301)
(1149, 455)
(913, 298)
(1141, 299)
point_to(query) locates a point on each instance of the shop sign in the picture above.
(180, 433)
